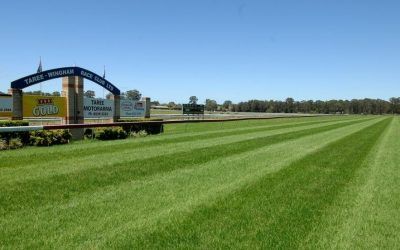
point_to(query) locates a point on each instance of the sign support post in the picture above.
(17, 104)
(148, 106)
(117, 107)
(73, 91)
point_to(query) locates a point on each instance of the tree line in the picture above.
(354, 106)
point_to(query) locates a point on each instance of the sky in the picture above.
(218, 49)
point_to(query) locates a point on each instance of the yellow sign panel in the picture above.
(6, 106)
(44, 106)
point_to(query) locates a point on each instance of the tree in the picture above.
(133, 94)
(56, 93)
(171, 105)
(394, 105)
(193, 99)
(211, 105)
(155, 103)
(289, 105)
(89, 94)
(227, 105)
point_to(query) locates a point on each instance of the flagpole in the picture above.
(41, 91)
(40, 67)
(104, 76)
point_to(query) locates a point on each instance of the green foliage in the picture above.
(89, 94)
(354, 106)
(150, 128)
(13, 123)
(38, 92)
(193, 99)
(110, 133)
(3, 144)
(7, 136)
(211, 105)
(15, 143)
(141, 133)
(89, 133)
(133, 94)
(50, 137)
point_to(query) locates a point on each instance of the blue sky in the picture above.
(218, 49)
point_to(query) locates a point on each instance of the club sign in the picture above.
(62, 72)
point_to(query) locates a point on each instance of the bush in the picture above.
(13, 123)
(15, 143)
(150, 128)
(110, 133)
(141, 133)
(7, 136)
(3, 145)
(50, 137)
(89, 133)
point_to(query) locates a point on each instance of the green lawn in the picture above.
(319, 182)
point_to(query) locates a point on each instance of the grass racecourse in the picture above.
(319, 183)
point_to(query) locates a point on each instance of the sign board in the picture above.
(44, 106)
(62, 72)
(98, 108)
(6, 104)
(193, 109)
(130, 108)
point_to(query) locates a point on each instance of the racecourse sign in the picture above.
(62, 72)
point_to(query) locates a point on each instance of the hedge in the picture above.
(150, 128)
(110, 133)
(50, 137)
(22, 135)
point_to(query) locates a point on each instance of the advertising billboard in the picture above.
(130, 108)
(6, 105)
(98, 108)
(44, 106)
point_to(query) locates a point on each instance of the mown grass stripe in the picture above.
(365, 214)
(276, 212)
(60, 188)
(96, 217)
(49, 168)
(10, 160)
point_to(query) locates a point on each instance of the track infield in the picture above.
(317, 182)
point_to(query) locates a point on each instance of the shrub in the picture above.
(110, 133)
(50, 137)
(150, 128)
(89, 133)
(15, 143)
(141, 133)
(3, 145)
(7, 136)
(13, 123)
